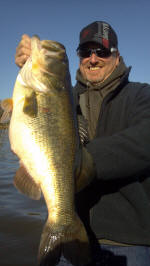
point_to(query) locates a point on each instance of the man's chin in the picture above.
(94, 80)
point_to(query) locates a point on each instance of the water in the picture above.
(21, 218)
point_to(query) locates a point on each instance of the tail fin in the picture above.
(70, 240)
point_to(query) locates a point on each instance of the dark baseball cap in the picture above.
(100, 32)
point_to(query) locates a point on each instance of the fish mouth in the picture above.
(53, 49)
(48, 58)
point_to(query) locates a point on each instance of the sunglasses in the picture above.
(87, 52)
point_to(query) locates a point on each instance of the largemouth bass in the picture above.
(43, 134)
(3, 125)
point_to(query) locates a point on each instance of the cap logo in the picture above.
(99, 32)
(105, 43)
(105, 30)
(85, 33)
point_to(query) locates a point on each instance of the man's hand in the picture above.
(23, 50)
(86, 170)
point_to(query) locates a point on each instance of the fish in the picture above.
(4, 125)
(43, 133)
(3, 128)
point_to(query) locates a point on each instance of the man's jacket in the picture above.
(119, 198)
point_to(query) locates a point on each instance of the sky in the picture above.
(62, 21)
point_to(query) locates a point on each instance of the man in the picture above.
(118, 116)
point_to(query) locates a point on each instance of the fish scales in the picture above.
(50, 132)
(43, 134)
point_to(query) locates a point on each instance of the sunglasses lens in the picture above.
(103, 53)
(83, 53)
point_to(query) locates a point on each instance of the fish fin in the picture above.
(26, 184)
(7, 106)
(70, 240)
(30, 104)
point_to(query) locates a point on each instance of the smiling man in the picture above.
(98, 56)
(100, 69)
(117, 115)
(94, 68)
(96, 63)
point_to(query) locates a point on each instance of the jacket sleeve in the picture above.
(126, 154)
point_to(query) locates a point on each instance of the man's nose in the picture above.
(93, 58)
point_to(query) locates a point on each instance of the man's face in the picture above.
(96, 69)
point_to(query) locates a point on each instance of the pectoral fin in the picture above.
(30, 104)
(26, 184)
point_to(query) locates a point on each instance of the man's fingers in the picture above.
(23, 50)
(26, 36)
(24, 46)
(20, 61)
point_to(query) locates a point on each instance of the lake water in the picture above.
(21, 218)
